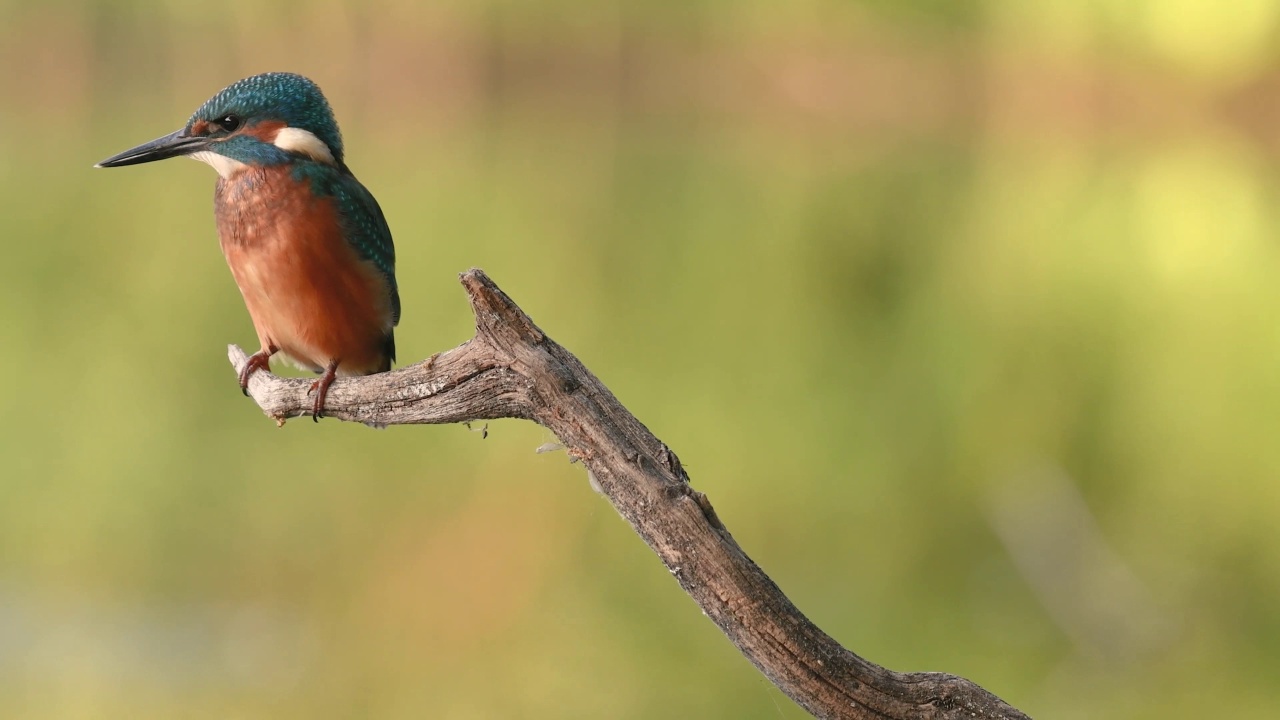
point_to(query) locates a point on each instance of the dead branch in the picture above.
(511, 369)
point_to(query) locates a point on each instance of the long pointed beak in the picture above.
(171, 145)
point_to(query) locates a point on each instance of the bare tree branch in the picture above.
(511, 369)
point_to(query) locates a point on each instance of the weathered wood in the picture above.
(511, 369)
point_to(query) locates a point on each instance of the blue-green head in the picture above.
(266, 119)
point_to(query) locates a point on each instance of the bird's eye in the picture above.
(229, 123)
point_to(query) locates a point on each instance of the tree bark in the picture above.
(511, 369)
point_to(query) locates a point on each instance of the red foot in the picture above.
(321, 388)
(260, 360)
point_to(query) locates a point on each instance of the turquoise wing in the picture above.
(363, 223)
(367, 231)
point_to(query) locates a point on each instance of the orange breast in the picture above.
(307, 290)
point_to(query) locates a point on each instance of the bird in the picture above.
(307, 243)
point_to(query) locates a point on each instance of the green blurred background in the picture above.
(964, 315)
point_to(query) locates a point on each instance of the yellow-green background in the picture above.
(885, 274)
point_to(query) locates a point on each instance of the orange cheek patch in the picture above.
(266, 130)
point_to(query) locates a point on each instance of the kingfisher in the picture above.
(307, 244)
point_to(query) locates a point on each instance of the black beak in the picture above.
(171, 145)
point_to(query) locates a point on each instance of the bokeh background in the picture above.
(964, 314)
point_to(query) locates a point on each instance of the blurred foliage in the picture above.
(882, 273)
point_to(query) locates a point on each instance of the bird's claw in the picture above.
(260, 360)
(321, 388)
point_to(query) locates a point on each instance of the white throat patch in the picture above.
(304, 142)
(226, 167)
